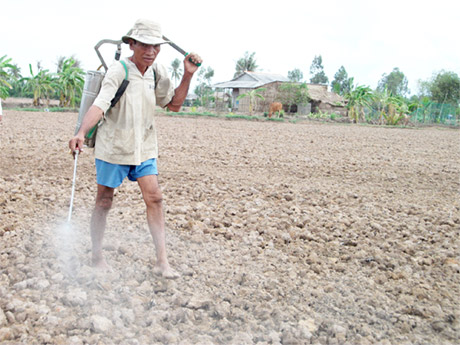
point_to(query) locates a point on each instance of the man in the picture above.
(126, 142)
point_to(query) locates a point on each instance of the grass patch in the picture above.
(28, 109)
(186, 113)
(229, 116)
(62, 110)
(238, 116)
(275, 119)
(47, 110)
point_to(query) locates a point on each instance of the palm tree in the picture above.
(175, 70)
(61, 60)
(204, 89)
(246, 63)
(208, 74)
(4, 75)
(40, 84)
(252, 97)
(69, 82)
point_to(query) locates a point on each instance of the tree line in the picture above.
(389, 102)
(66, 84)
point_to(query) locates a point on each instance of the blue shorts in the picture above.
(112, 175)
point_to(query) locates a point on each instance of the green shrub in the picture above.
(275, 119)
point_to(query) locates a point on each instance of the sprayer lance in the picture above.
(73, 185)
(179, 49)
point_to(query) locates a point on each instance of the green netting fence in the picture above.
(436, 113)
(430, 113)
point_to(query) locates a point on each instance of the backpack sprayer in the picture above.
(93, 81)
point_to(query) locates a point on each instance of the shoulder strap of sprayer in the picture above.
(154, 76)
(124, 84)
(121, 90)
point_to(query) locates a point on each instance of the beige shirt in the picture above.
(127, 134)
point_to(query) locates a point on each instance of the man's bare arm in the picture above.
(190, 67)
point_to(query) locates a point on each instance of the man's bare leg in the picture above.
(104, 200)
(155, 219)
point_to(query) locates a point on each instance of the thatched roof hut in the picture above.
(325, 101)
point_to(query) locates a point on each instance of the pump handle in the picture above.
(117, 54)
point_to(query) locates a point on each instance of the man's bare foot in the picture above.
(101, 265)
(166, 272)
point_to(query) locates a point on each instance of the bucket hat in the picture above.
(145, 31)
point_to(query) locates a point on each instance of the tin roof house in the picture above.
(249, 81)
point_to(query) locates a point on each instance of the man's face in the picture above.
(145, 54)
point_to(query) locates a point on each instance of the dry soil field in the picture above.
(283, 233)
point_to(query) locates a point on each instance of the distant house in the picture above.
(249, 81)
(321, 98)
(190, 99)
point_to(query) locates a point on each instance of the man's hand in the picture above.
(191, 66)
(91, 118)
(76, 143)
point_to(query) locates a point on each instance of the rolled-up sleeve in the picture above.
(164, 91)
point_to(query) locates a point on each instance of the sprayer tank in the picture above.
(93, 81)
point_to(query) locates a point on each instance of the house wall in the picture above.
(270, 95)
(329, 108)
(235, 103)
(260, 106)
(304, 109)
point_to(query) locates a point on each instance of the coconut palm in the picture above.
(176, 72)
(61, 60)
(69, 82)
(246, 63)
(204, 88)
(253, 94)
(40, 84)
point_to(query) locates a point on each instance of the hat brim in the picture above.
(144, 39)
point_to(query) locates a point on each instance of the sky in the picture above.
(368, 38)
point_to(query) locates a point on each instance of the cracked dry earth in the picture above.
(283, 233)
